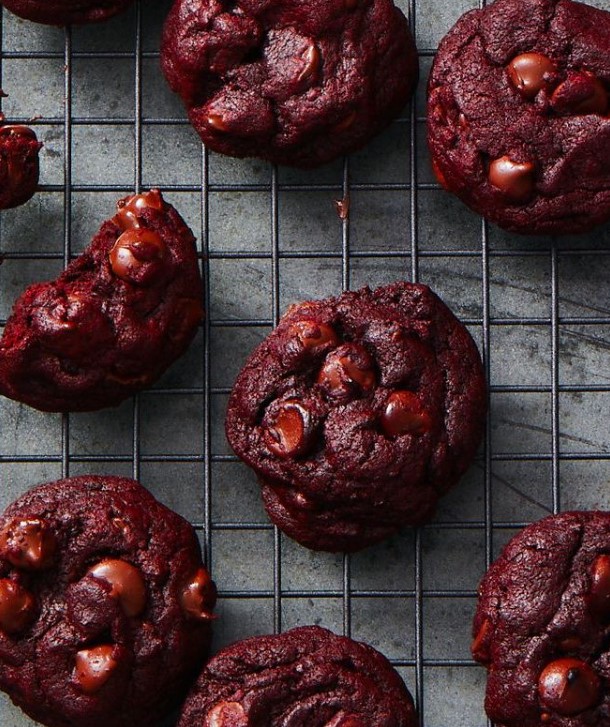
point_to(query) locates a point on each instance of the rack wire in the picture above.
(537, 307)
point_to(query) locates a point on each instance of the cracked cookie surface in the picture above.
(113, 321)
(306, 676)
(295, 83)
(358, 413)
(519, 114)
(105, 606)
(66, 12)
(542, 625)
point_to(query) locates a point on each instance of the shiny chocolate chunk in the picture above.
(314, 336)
(311, 60)
(530, 73)
(404, 414)
(93, 667)
(581, 93)
(28, 544)
(127, 583)
(137, 255)
(226, 714)
(17, 607)
(198, 596)
(515, 180)
(216, 122)
(345, 123)
(569, 686)
(129, 209)
(347, 370)
(288, 429)
(599, 594)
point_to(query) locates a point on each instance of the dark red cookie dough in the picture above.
(105, 606)
(292, 82)
(306, 676)
(542, 625)
(66, 12)
(112, 323)
(519, 114)
(358, 413)
(19, 168)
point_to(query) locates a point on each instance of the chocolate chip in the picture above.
(530, 73)
(129, 210)
(314, 336)
(216, 122)
(226, 714)
(93, 667)
(127, 583)
(137, 255)
(28, 544)
(288, 428)
(515, 180)
(17, 607)
(569, 686)
(311, 59)
(198, 596)
(404, 414)
(480, 646)
(581, 93)
(346, 371)
(346, 123)
(17, 130)
(599, 594)
(345, 720)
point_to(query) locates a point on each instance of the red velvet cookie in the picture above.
(66, 12)
(519, 114)
(112, 323)
(358, 413)
(297, 83)
(105, 606)
(19, 168)
(542, 626)
(307, 677)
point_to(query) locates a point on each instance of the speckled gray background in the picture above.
(539, 311)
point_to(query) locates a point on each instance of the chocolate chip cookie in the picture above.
(518, 114)
(306, 676)
(292, 82)
(113, 322)
(19, 168)
(358, 413)
(105, 606)
(542, 625)
(66, 12)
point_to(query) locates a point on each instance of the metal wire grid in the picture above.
(422, 669)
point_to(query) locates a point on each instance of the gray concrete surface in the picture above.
(453, 557)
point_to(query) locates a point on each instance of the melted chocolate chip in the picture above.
(17, 607)
(480, 646)
(137, 255)
(569, 686)
(28, 544)
(288, 428)
(93, 668)
(581, 93)
(226, 714)
(314, 336)
(311, 59)
(515, 180)
(198, 596)
(216, 122)
(529, 73)
(599, 594)
(129, 210)
(127, 583)
(347, 370)
(404, 414)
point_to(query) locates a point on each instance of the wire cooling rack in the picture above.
(539, 310)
